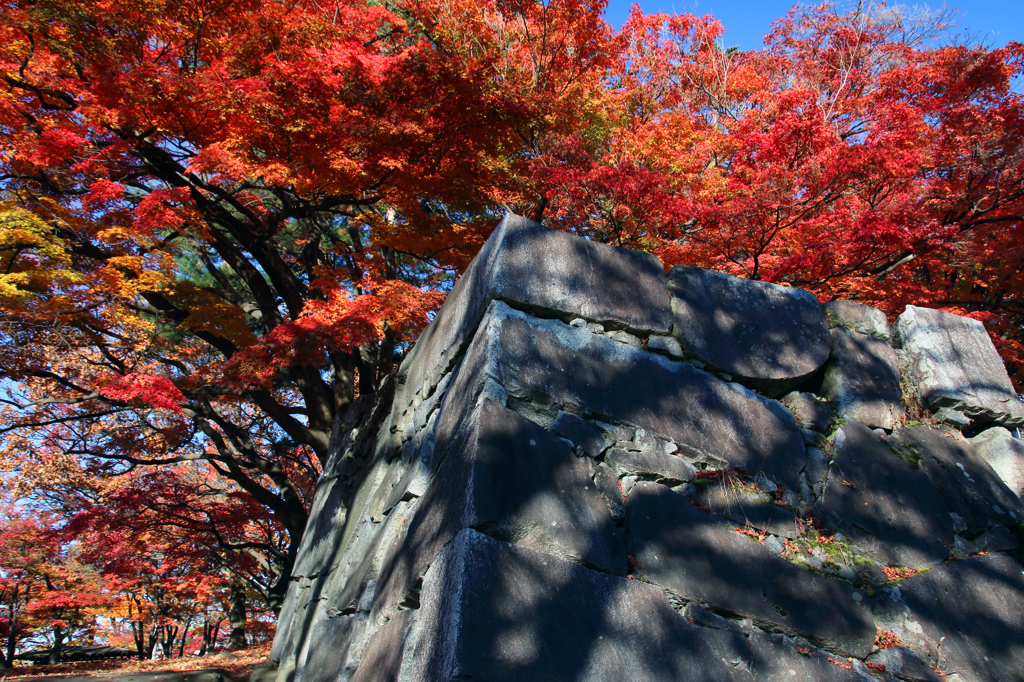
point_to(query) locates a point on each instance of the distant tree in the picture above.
(46, 593)
(180, 545)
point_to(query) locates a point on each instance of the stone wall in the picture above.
(591, 471)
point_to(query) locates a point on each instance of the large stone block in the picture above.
(863, 379)
(326, 648)
(965, 617)
(496, 612)
(707, 418)
(747, 508)
(297, 616)
(286, 633)
(321, 539)
(382, 660)
(957, 367)
(1005, 454)
(766, 336)
(904, 664)
(333, 565)
(515, 480)
(857, 317)
(810, 411)
(888, 509)
(968, 485)
(581, 432)
(668, 468)
(697, 556)
(540, 269)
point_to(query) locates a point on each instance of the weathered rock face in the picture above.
(957, 367)
(548, 362)
(500, 612)
(1005, 454)
(544, 271)
(698, 557)
(857, 317)
(967, 617)
(561, 490)
(516, 481)
(889, 509)
(766, 336)
(968, 485)
(863, 380)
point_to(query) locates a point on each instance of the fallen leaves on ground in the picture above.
(237, 663)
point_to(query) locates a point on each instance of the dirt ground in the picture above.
(222, 667)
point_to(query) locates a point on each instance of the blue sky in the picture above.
(746, 21)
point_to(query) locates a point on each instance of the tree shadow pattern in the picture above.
(510, 566)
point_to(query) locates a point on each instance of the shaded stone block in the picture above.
(536, 268)
(705, 417)
(998, 539)
(857, 317)
(343, 587)
(1005, 454)
(326, 648)
(967, 484)
(810, 411)
(665, 344)
(515, 480)
(748, 508)
(299, 612)
(413, 484)
(648, 442)
(651, 464)
(320, 541)
(340, 564)
(973, 609)
(951, 417)
(862, 378)
(581, 432)
(695, 555)
(617, 432)
(955, 365)
(887, 508)
(766, 336)
(607, 483)
(497, 612)
(285, 634)
(379, 506)
(382, 660)
(262, 672)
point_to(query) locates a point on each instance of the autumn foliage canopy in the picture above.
(223, 222)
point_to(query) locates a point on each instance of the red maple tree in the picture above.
(863, 156)
(222, 223)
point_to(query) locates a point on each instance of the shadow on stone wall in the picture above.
(465, 536)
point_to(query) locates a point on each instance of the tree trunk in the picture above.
(7, 661)
(236, 616)
(170, 633)
(139, 635)
(184, 635)
(58, 645)
(151, 645)
(210, 631)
